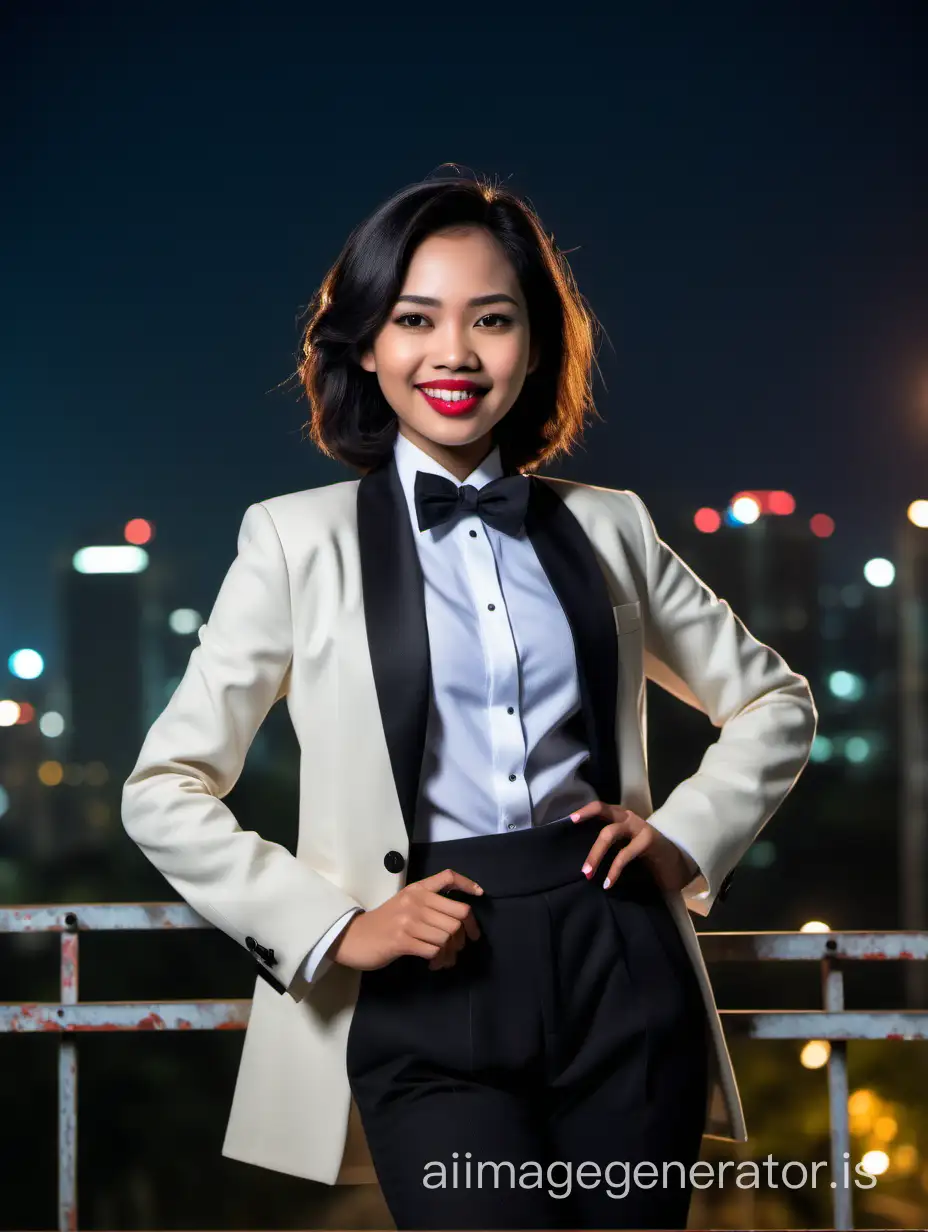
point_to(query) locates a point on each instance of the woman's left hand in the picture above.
(671, 868)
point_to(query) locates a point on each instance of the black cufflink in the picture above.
(265, 954)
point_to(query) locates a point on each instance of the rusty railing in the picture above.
(833, 1022)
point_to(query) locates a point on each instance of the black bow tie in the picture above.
(502, 503)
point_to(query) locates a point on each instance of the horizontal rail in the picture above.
(856, 945)
(89, 1016)
(70, 1017)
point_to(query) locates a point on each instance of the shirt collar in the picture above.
(410, 458)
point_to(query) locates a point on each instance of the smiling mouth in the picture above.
(454, 401)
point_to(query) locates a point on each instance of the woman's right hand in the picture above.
(418, 920)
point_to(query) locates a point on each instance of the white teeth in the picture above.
(449, 395)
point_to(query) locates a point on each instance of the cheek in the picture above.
(398, 358)
(509, 359)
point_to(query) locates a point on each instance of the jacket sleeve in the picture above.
(699, 650)
(256, 891)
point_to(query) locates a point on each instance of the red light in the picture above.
(707, 520)
(26, 712)
(781, 502)
(822, 525)
(138, 531)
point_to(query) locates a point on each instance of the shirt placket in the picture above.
(507, 735)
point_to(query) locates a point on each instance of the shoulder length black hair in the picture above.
(350, 418)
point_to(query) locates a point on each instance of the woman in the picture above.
(518, 1008)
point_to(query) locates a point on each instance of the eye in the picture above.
(410, 320)
(500, 318)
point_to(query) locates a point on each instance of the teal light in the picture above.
(822, 749)
(857, 749)
(846, 685)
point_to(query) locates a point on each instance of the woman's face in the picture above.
(455, 350)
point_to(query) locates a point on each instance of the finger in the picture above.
(448, 879)
(449, 925)
(604, 840)
(634, 848)
(451, 907)
(420, 930)
(441, 961)
(592, 809)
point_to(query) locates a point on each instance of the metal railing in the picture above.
(833, 1022)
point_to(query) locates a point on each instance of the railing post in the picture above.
(67, 1084)
(833, 998)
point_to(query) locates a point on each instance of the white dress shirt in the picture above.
(504, 739)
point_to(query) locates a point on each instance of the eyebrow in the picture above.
(478, 302)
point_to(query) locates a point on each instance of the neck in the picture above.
(459, 460)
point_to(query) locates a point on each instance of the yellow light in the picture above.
(815, 926)
(905, 1158)
(917, 513)
(861, 1102)
(886, 1128)
(875, 1162)
(815, 1054)
(10, 712)
(50, 773)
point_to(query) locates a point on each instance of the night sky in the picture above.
(745, 188)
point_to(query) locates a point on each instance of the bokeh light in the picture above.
(917, 513)
(138, 531)
(26, 664)
(822, 525)
(745, 509)
(879, 571)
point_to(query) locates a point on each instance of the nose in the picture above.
(454, 349)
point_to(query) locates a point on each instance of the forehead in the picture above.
(465, 260)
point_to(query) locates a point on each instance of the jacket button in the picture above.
(394, 862)
(251, 943)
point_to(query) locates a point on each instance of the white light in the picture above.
(815, 926)
(815, 1054)
(9, 713)
(875, 1162)
(879, 572)
(51, 724)
(857, 749)
(745, 509)
(184, 620)
(918, 513)
(121, 558)
(26, 664)
(846, 685)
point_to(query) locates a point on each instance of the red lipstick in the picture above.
(459, 406)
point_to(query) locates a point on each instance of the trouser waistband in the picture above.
(531, 860)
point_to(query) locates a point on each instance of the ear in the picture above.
(368, 363)
(534, 358)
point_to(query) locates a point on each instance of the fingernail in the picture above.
(478, 888)
(587, 869)
(574, 816)
(606, 884)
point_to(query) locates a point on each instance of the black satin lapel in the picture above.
(397, 632)
(568, 559)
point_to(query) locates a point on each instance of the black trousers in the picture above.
(571, 1033)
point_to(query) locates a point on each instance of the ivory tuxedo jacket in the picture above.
(324, 605)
